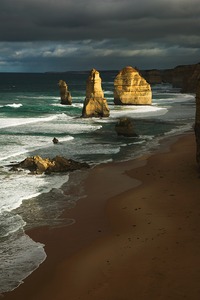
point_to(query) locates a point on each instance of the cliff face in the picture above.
(152, 76)
(65, 95)
(95, 105)
(184, 77)
(181, 74)
(191, 82)
(131, 88)
(197, 124)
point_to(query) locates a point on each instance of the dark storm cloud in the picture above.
(52, 30)
(66, 20)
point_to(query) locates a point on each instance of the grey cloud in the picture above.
(66, 20)
(40, 34)
(82, 55)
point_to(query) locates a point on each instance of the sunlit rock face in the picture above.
(95, 105)
(65, 95)
(130, 88)
(39, 165)
(197, 123)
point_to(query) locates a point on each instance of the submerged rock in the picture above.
(65, 95)
(125, 127)
(95, 105)
(39, 165)
(130, 88)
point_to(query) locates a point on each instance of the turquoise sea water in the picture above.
(30, 116)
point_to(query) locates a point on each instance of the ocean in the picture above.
(30, 117)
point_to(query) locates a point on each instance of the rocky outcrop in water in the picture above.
(95, 105)
(65, 95)
(197, 124)
(130, 88)
(125, 127)
(39, 165)
(55, 140)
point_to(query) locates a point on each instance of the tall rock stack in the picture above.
(65, 95)
(197, 124)
(95, 105)
(130, 88)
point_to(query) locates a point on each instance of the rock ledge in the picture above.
(39, 165)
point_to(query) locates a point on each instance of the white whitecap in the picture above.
(19, 256)
(14, 105)
(79, 105)
(179, 130)
(58, 105)
(108, 92)
(27, 187)
(39, 97)
(28, 144)
(137, 111)
(10, 122)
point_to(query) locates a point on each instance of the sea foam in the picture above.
(137, 111)
(14, 105)
(10, 122)
(27, 187)
(19, 254)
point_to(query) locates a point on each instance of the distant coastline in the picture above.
(184, 77)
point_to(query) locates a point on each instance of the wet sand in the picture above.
(136, 235)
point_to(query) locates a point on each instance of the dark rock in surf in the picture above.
(125, 127)
(39, 165)
(55, 140)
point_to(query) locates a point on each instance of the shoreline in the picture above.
(112, 251)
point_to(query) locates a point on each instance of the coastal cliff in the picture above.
(197, 124)
(184, 77)
(130, 88)
(191, 82)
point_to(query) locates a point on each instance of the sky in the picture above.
(70, 35)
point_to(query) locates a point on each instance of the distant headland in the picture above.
(184, 77)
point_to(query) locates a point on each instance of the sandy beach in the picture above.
(136, 234)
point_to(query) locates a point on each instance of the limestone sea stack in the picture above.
(197, 124)
(95, 105)
(65, 95)
(130, 88)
